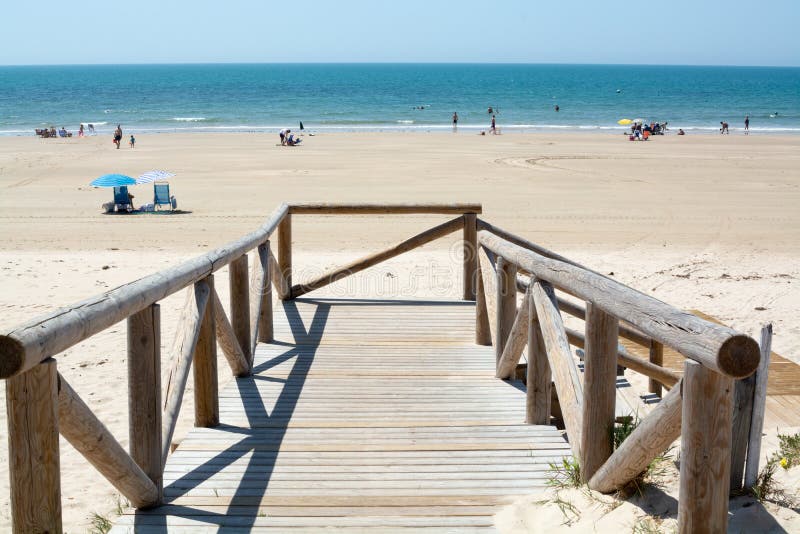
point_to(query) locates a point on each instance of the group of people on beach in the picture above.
(288, 138)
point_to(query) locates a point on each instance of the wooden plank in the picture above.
(506, 304)
(705, 450)
(328, 208)
(744, 389)
(717, 347)
(33, 451)
(656, 357)
(483, 332)
(144, 403)
(759, 408)
(539, 377)
(30, 343)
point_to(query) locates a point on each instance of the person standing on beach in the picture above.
(455, 121)
(493, 128)
(724, 128)
(118, 135)
(747, 124)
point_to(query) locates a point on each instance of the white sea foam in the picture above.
(189, 119)
(405, 122)
(101, 123)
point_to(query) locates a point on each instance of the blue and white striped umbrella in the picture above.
(112, 180)
(153, 176)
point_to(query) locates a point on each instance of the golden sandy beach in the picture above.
(702, 222)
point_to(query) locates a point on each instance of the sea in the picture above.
(192, 98)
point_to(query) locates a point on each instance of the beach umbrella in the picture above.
(153, 176)
(624, 122)
(112, 180)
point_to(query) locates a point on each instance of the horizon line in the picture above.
(482, 63)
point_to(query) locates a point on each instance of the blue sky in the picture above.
(697, 32)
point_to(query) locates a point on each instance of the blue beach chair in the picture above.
(161, 195)
(122, 199)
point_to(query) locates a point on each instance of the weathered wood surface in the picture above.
(91, 438)
(284, 270)
(654, 434)
(506, 304)
(430, 440)
(483, 331)
(470, 251)
(705, 450)
(717, 347)
(488, 269)
(599, 389)
(759, 408)
(517, 339)
(144, 400)
(238, 277)
(562, 365)
(45, 336)
(261, 298)
(373, 259)
(744, 390)
(226, 338)
(206, 387)
(539, 376)
(182, 354)
(329, 208)
(33, 451)
(656, 357)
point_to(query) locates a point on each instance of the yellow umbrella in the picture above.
(624, 122)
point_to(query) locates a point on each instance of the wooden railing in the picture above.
(41, 404)
(699, 407)
(496, 265)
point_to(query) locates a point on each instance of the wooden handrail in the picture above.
(717, 347)
(32, 342)
(327, 208)
(373, 259)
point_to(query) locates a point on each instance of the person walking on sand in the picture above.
(132, 142)
(80, 131)
(493, 128)
(118, 136)
(747, 124)
(455, 121)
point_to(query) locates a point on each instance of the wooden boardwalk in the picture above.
(362, 416)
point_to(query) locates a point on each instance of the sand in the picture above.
(702, 222)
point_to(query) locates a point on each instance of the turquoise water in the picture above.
(328, 97)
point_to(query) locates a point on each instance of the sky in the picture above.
(678, 32)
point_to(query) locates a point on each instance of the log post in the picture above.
(759, 408)
(539, 377)
(483, 332)
(285, 254)
(470, 255)
(206, 389)
(705, 450)
(515, 343)
(266, 329)
(240, 303)
(144, 392)
(599, 389)
(506, 303)
(226, 339)
(33, 454)
(656, 358)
